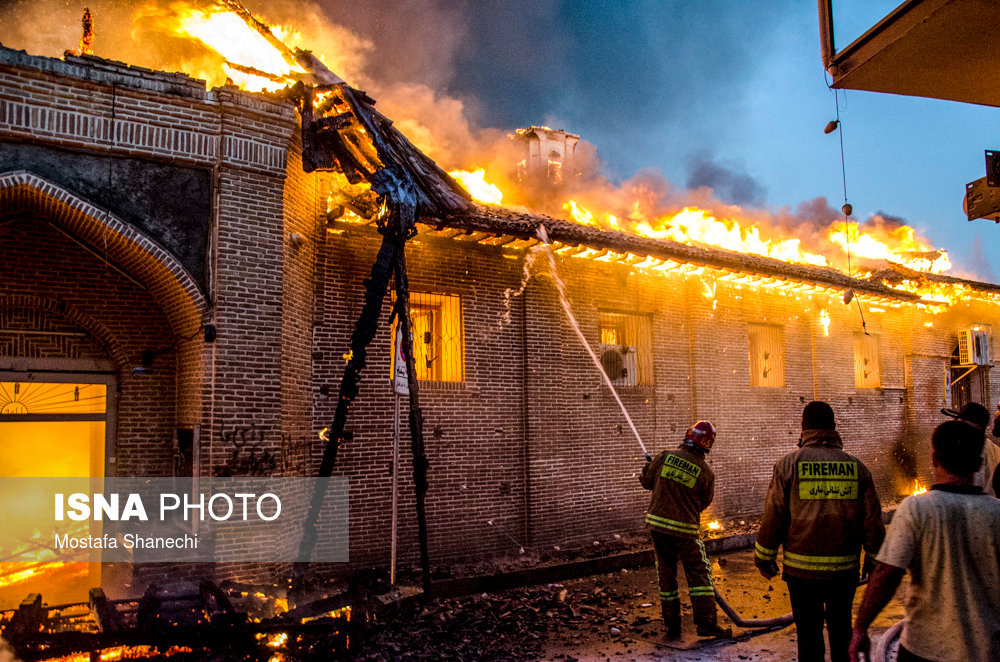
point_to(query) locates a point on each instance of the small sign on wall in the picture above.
(400, 386)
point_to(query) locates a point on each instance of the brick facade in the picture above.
(530, 449)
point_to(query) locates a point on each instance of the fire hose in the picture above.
(749, 623)
(752, 623)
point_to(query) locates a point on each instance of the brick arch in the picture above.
(59, 308)
(166, 279)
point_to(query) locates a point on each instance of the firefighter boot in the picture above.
(705, 617)
(671, 617)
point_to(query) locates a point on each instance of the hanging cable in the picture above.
(847, 208)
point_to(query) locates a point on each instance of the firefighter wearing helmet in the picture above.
(683, 485)
(821, 506)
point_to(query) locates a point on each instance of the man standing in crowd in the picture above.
(991, 459)
(822, 507)
(979, 416)
(683, 485)
(949, 540)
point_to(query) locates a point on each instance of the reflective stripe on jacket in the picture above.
(683, 485)
(822, 506)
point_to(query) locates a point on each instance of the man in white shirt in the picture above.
(949, 540)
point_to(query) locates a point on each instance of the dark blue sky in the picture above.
(739, 86)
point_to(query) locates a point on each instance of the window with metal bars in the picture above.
(438, 337)
(866, 366)
(626, 349)
(767, 355)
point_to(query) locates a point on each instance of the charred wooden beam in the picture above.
(218, 607)
(105, 612)
(416, 418)
(253, 71)
(376, 286)
(335, 122)
(363, 144)
(29, 619)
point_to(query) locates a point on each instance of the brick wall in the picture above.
(50, 275)
(79, 111)
(304, 231)
(532, 449)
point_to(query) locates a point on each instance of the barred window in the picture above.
(626, 349)
(438, 337)
(767, 355)
(866, 366)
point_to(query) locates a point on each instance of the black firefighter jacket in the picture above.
(822, 506)
(683, 485)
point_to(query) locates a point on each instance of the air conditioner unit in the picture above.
(974, 346)
(621, 364)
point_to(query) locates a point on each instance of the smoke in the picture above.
(729, 185)
(406, 56)
(979, 263)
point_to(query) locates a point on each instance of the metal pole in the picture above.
(395, 493)
(828, 49)
(416, 417)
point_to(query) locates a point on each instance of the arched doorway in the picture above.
(86, 296)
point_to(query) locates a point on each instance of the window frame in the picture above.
(433, 305)
(641, 323)
(755, 368)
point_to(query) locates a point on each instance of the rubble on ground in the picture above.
(512, 625)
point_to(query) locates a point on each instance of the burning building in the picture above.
(184, 273)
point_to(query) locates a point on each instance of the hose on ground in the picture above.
(748, 623)
(778, 621)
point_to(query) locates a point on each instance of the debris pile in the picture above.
(513, 625)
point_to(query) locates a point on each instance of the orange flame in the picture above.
(124, 653)
(238, 44)
(697, 226)
(257, 62)
(900, 245)
(16, 572)
(918, 488)
(475, 183)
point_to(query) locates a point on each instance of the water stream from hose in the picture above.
(564, 300)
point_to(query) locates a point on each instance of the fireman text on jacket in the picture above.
(680, 470)
(815, 480)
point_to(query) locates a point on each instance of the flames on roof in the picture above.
(370, 158)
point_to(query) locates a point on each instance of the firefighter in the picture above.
(683, 485)
(822, 507)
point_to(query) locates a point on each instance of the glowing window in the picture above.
(626, 349)
(866, 366)
(554, 171)
(767, 355)
(438, 337)
(39, 398)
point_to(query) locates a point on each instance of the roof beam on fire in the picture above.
(499, 221)
(363, 144)
(296, 58)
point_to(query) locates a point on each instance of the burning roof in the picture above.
(370, 158)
